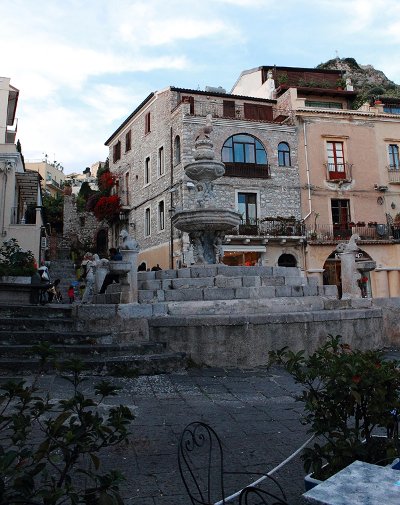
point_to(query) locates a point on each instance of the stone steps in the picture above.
(22, 327)
(219, 282)
(150, 364)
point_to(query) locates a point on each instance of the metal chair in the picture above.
(201, 460)
(255, 496)
(201, 465)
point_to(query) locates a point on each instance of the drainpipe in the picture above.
(3, 231)
(307, 171)
(171, 238)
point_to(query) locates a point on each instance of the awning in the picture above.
(28, 185)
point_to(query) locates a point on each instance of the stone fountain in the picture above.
(206, 223)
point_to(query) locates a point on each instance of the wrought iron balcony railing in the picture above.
(247, 170)
(271, 228)
(394, 174)
(337, 172)
(329, 232)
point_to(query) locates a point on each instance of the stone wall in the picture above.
(278, 195)
(80, 226)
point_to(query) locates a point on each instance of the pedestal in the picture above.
(129, 282)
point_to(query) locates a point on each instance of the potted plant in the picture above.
(361, 223)
(16, 265)
(348, 395)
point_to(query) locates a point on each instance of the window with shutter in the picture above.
(228, 108)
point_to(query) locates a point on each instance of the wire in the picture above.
(294, 454)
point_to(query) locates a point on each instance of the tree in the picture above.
(53, 211)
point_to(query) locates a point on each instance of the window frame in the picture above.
(147, 171)
(117, 151)
(336, 169)
(147, 123)
(177, 150)
(161, 161)
(128, 141)
(161, 216)
(287, 161)
(245, 152)
(393, 155)
(147, 222)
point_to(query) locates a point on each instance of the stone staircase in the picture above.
(64, 270)
(100, 351)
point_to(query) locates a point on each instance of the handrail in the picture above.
(293, 455)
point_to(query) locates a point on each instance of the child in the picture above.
(71, 294)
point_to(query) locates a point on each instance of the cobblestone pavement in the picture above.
(254, 413)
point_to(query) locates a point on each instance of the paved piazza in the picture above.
(254, 413)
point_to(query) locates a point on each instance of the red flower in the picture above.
(356, 379)
(106, 181)
(108, 208)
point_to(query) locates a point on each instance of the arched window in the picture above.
(287, 260)
(284, 155)
(177, 150)
(244, 148)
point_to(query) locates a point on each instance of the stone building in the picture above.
(349, 169)
(148, 153)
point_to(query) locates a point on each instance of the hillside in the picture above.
(368, 81)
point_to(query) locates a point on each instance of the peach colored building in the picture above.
(349, 169)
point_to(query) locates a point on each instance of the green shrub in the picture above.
(347, 395)
(50, 450)
(14, 261)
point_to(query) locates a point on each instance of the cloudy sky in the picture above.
(82, 66)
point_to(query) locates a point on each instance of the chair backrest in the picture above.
(200, 459)
(256, 496)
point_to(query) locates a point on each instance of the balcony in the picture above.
(338, 172)
(20, 216)
(335, 233)
(271, 228)
(393, 174)
(247, 170)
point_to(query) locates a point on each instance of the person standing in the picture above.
(71, 294)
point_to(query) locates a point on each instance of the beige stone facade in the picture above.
(20, 193)
(349, 172)
(53, 176)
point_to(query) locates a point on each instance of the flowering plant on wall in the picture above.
(107, 208)
(106, 182)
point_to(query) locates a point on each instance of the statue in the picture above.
(204, 132)
(350, 275)
(270, 86)
(198, 248)
(349, 85)
(127, 243)
(218, 249)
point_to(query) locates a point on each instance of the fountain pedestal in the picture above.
(206, 224)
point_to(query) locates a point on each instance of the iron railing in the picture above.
(329, 232)
(271, 228)
(336, 172)
(394, 174)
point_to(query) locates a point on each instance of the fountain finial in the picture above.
(206, 129)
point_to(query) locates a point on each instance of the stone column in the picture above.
(129, 282)
(394, 283)
(382, 284)
(350, 288)
(102, 270)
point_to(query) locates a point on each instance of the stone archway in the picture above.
(287, 260)
(102, 242)
(332, 270)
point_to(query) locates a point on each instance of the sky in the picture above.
(83, 66)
